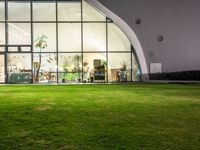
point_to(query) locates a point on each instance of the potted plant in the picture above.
(123, 73)
(104, 63)
(77, 60)
(123, 66)
(65, 73)
(86, 71)
(65, 68)
(41, 43)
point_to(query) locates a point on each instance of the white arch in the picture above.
(128, 31)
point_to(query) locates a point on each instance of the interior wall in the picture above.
(177, 21)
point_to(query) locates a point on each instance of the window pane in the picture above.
(2, 71)
(2, 49)
(2, 33)
(70, 67)
(19, 33)
(48, 67)
(94, 37)
(69, 11)
(92, 14)
(119, 67)
(19, 11)
(2, 11)
(19, 68)
(48, 30)
(44, 11)
(25, 49)
(94, 67)
(117, 40)
(13, 49)
(69, 36)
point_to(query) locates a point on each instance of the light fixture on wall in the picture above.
(160, 38)
(138, 21)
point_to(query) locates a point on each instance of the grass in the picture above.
(98, 117)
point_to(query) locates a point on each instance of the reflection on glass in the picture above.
(44, 11)
(19, 11)
(70, 67)
(47, 68)
(19, 33)
(2, 33)
(119, 65)
(69, 11)
(94, 37)
(19, 68)
(94, 67)
(117, 40)
(2, 11)
(2, 71)
(69, 35)
(48, 30)
(92, 14)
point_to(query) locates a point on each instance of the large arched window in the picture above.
(83, 44)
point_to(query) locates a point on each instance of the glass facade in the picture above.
(57, 41)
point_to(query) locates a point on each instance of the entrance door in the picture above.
(2, 68)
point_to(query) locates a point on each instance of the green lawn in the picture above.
(98, 117)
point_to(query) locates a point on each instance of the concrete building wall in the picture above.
(178, 21)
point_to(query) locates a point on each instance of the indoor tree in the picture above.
(41, 43)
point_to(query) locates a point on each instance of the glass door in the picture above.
(2, 68)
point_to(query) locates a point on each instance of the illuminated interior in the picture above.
(2, 68)
(62, 42)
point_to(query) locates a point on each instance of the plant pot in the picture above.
(36, 80)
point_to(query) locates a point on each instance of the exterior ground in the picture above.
(128, 116)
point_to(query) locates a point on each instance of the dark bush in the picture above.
(184, 75)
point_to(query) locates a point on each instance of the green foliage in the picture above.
(104, 63)
(123, 66)
(77, 59)
(71, 76)
(41, 42)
